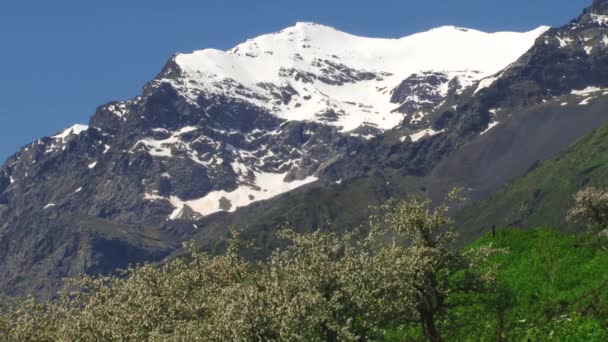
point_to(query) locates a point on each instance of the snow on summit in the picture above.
(315, 72)
(307, 72)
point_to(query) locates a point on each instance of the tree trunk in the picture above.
(330, 335)
(430, 330)
(501, 326)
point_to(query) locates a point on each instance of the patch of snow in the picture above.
(118, 109)
(490, 126)
(186, 129)
(158, 148)
(162, 148)
(267, 185)
(493, 111)
(92, 165)
(600, 19)
(485, 83)
(106, 149)
(153, 197)
(78, 190)
(429, 132)
(73, 130)
(11, 179)
(564, 42)
(585, 101)
(50, 205)
(564, 104)
(364, 137)
(587, 91)
(240, 169)
(160, 130)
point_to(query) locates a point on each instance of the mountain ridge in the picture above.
(337, 65)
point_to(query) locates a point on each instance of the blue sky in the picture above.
(61, 59)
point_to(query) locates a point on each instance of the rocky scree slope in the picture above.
(545, 193)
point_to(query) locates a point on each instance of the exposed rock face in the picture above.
(136, 179)
(420, 94)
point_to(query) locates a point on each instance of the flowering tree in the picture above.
(324, 286)
(591, 206)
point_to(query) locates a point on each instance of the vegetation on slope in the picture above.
(542, 196)
(356, 286)
(553, 286)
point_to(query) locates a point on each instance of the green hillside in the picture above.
(548, 279)
(543, 195)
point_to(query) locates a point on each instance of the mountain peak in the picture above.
(307, 26)
(450, 28)
(310, 24)
(307, 30)
(321, 68)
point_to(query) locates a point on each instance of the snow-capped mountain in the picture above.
(314, 72)
(218, 131)
(266, 116)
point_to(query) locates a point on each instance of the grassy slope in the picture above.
(544, 194)
(545, 265)
(545, 272)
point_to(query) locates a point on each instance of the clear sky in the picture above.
(61, 59)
